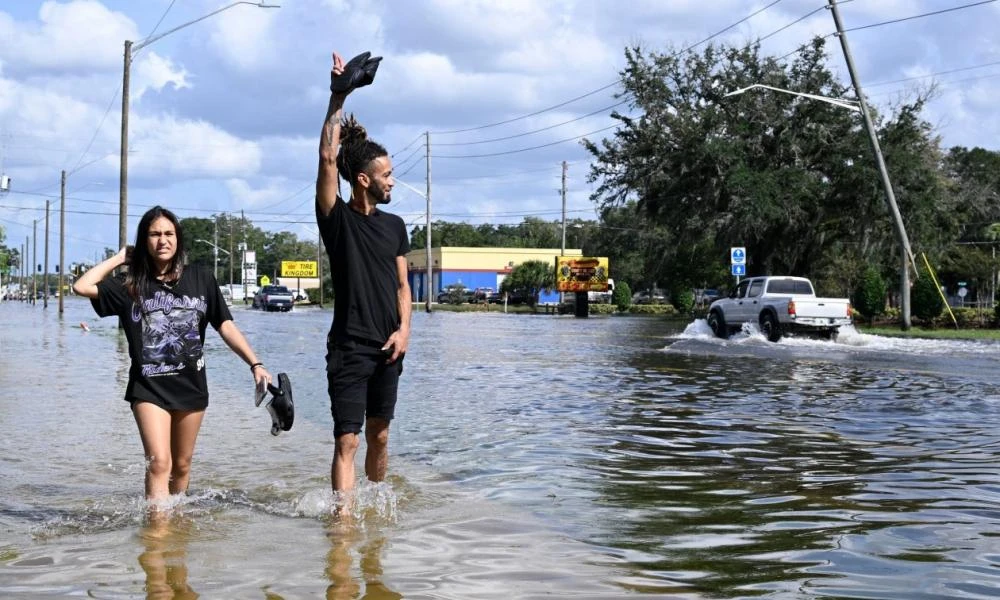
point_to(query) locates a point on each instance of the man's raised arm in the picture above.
(329, 142)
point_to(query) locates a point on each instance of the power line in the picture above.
(524, 149)
(948, 72)
(604, 87)
(408, 157)
(107, 110)
(111, 103)
(890, 22)
(415, 140)
(510, 137)
(410, 168)
(721, 31)
(544, 110)
(920, 16)
(157, 26)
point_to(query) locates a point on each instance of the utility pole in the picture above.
(430, 268)
(231, 249)
(24, 270)
(62, 238)
(243, 270)
(564, 207)
(45, 275)
(904, 274)
(319, 265)
(563, 247)
(34, 260)
(123, 160)
(130, 49)
(215, 247)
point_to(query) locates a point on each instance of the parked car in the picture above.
(704, 297)
(273, 297)
(454, 294)
(481, 294)
(652, 296)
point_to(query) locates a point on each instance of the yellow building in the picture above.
(474, 267)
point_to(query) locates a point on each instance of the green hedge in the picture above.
(653, 309)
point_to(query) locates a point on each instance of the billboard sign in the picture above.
(581, 274)
(298, 268)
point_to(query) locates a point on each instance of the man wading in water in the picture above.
(372, 304)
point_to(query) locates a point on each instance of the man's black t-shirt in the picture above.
(165, 334)
(363, 251)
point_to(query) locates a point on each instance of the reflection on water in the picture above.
(532, 457)
(165, 539)
(367, 580)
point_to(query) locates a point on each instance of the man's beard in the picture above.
(381, 196)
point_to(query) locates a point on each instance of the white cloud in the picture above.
(163, 146)
(153, 72)
(82, 34)
(275, 195)
(244, 37)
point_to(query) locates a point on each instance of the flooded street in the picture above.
(532, 456)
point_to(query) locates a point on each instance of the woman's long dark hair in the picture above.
(356, 151)
(142, 271)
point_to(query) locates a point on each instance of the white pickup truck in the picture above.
(778, 305)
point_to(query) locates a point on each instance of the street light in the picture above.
(215, 266)
(129, 50)
(848, 104)
(430, 269)
(859, 106)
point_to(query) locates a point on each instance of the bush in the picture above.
(683, 300)
(622, 296)
(602, 309)
(965, 316)
(925, 299)
(869, 295)
(653, 309)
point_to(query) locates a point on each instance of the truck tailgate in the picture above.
(821, 308)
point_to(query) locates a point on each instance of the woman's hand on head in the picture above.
(124, 255)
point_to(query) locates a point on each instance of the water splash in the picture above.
(370, 502)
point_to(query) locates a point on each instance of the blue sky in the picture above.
(225, 113)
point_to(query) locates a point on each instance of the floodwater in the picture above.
(532, 456)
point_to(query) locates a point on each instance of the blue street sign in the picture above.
(739, 270)
(738, 255)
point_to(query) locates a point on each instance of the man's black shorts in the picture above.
(360, 384)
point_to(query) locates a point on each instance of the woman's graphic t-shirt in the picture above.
(166, 333)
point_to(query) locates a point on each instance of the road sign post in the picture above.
(738, 261)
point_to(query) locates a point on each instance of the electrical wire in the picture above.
(948, 72)
(415, 140)
(920, 16)
(524, 149)
(111, 103)
(602, 88)
(510, 137)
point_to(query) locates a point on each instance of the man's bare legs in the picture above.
(377, 457)
(342, 468)
(342, 471)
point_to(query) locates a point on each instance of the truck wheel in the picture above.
(770, 327)
(718, 324)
